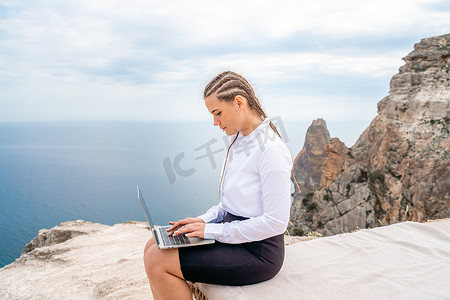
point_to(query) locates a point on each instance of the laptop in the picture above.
(162, 237)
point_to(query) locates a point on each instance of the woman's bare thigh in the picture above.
(163, 260)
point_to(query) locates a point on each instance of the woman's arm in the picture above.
(275, 177)
(197, 225)
(214, 215)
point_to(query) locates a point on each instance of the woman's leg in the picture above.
(147, 246)
(164, 273)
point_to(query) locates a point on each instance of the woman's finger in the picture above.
(193, 229)
(198, 233)
(182, 229)
(175, 226)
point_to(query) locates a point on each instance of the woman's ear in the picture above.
(240, 101)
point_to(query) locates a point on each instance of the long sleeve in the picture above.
(275, 191)
(214, 215)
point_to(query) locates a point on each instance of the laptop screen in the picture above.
(144, 207)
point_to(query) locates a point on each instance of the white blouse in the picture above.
(256, 185)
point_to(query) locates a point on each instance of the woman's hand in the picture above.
(190, 226)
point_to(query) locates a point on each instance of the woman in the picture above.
(253, 213)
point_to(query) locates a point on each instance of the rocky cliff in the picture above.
(80, 260)
(309, 162)
(398, 169)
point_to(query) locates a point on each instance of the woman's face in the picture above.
(227, 115)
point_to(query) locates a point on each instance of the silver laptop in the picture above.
(162, 237)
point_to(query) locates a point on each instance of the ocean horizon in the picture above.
(58, 171)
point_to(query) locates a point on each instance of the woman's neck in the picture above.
(251, 125)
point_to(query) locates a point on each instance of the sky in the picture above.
(150, 60)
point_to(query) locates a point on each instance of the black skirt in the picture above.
(233, 264)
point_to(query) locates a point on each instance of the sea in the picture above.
(53, 172)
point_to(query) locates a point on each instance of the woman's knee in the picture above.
(157, 262)
(150, 243)
(152, 259)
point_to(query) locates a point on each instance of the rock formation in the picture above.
(399, 167)
(310, 160)
(80, 260)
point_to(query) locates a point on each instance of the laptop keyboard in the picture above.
(173, 240)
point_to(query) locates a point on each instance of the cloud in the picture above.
(132, 59)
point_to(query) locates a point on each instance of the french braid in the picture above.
(226, 86)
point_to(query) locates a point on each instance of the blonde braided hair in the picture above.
(226, 86)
